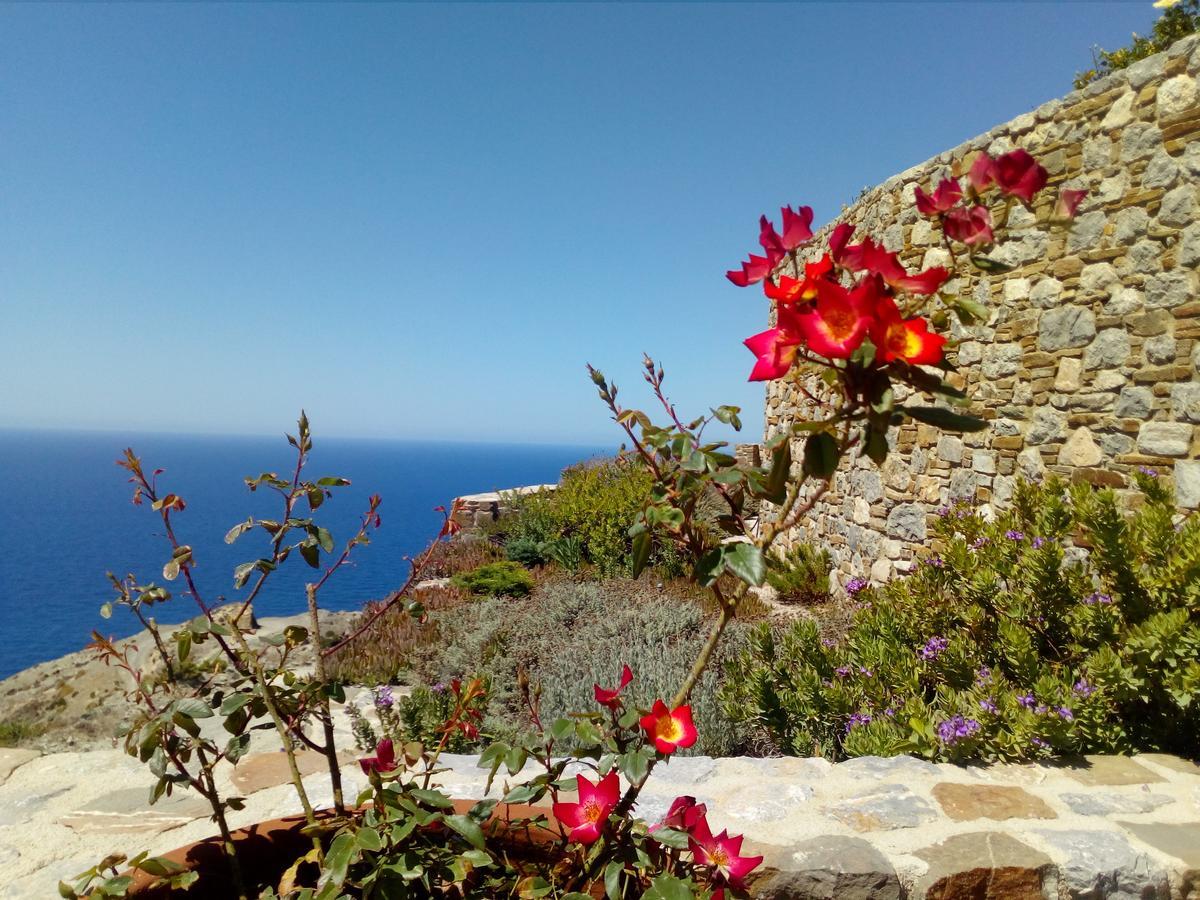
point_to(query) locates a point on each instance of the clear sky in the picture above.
(421, 220)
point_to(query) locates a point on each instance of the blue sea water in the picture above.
(66, 519)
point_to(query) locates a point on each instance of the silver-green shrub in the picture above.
(570, 636)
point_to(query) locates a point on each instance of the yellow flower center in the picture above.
(669, 729)
(903, 342)
(839, 322)
(719, 857)
(592, 811)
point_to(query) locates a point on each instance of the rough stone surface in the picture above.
(831, 867)
(882, 808)
(11, 758)
(1067, 326)
(983, 866)
(1187, 484)
(1165, 438)
(1080, 449)
(965, 802)
(1110, 770)
(1104, 864)
(1105, 803)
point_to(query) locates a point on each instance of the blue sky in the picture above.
(421, 220)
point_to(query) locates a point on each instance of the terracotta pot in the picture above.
(267, 849)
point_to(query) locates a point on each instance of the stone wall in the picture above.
(1087, 365)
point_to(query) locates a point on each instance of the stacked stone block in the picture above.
(1087, 366)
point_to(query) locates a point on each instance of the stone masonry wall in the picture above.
(1087, 366)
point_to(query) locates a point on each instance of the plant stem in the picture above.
(326, 717)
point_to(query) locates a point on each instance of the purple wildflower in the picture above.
(1027, 700)
(1084, 688)
(979, 543)
(1038, 742)
(1014, 535)
(858, 719)
(383, 697)
(1098, 599)
(943, 512)
(863, 670)
(439, 688)
(933, 647)
(1041, 709)
(1064, 713)
(842, 671)
(1038, 543)
(984, 674)
(936, 561)
(1146, 470)
(956, 729)
(989, 705)
(889, 712)
(854, 585)
(828, 642)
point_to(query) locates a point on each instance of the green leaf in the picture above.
(775, 489)
(238, 530)
(468, 828)
(635, 765)
(433, 798)
(821, 455)
(612, 880)
(876, 446)
(642, 544)
(337, 861)
(311, 553)
(668, 887)
(710, 566)
(524, 793)
(193, 708)
(325, 539)
(994, 266)
(746, 562)
(333, 482)
(237, 747)
(233, 703)
(944, 418)
(368, 839)
(671, 837)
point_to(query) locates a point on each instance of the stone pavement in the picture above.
(1101, 827)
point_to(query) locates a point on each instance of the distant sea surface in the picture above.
(66, 519)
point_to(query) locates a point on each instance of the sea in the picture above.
(66, 519)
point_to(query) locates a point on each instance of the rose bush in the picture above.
(856, 315)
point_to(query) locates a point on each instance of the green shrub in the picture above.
(802, 575)
(15, 732)
(593, 506)
(1176, 22)
(422, 714)
(566, 551)
(585, 633)
(525, 550)
(1064, 626)
(499, 579)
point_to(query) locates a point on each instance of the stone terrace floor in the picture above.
(867, 828)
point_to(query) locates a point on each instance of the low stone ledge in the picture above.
(871, 828)
(478, 510)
